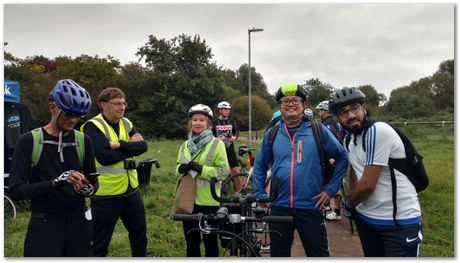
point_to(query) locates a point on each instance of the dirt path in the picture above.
(341, 242)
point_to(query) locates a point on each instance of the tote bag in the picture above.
(184, 199)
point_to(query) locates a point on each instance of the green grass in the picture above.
(165, 236)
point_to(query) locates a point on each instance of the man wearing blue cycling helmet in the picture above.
(49, 167)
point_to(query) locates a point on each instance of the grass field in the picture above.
(165, 237)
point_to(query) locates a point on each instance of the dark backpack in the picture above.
(317, 133)
(411, 166)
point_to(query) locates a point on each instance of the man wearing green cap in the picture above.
(294, 159)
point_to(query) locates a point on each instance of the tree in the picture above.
(180, 74)
(413, 101)
(258, 86)
(373, 99)
(443, 85)
(260, 115)
(317, 91)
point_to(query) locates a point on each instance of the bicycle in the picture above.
(9, 209)
(251, 214)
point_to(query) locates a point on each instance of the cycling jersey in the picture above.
(382, 143)
(225, 127)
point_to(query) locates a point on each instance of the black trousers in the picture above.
(58, 235)
(389, 241)
(106, 212)
(311, 227)
(193, 235)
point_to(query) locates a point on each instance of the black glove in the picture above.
(62, 179)
(183, 168)
(87, 190)
(195, 167)
(349, 212)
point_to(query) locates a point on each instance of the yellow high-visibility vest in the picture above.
(214, 160)
(114, 178)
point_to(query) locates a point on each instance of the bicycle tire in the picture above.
(9, 209)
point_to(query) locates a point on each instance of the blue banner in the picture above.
(11, 91)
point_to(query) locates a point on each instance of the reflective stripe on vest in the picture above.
(114, 179)
(202, 185)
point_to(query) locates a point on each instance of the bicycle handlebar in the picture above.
(198, 217)
(244, 199)
(150, 161)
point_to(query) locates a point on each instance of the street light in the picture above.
(249, 81)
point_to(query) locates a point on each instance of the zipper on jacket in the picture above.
(291, 174)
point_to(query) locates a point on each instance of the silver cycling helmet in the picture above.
(202, 109)
(224, 105)
(323, 105)
(308, 113)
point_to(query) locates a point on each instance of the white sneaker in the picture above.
(333, 216)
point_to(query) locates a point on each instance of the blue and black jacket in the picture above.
(297, 165)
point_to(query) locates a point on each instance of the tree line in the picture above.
(180, 72)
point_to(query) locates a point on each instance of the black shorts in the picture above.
(231, 157)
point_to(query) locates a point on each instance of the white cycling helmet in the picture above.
(308, 113)
(323, 105)
(224, 105)
(202, 109)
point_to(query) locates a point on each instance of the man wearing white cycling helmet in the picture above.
(50, 167)
(225, 129)
(331, 122)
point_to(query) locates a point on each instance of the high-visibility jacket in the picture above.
(213, 158)
(114, 178)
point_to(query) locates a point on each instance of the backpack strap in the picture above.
(393, 193)
(37, 135)
(80, 140)
(271, 140)
(37, 146)
(317, 133)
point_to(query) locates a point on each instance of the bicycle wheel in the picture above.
(9, 210)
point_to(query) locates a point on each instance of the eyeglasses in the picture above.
(354, 108)
(294, 102)
(118, 104)
(70, 116)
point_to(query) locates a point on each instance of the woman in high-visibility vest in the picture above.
(204, 157)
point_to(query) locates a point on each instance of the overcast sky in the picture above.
(343, 44)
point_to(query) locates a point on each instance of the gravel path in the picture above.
(341, 242)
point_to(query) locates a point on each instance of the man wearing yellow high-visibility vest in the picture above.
(115, 143)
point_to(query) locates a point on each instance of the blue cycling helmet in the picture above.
(276, 114)
(71, 98)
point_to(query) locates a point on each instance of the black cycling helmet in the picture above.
(344, 97)
(71, 98)
(291, 90)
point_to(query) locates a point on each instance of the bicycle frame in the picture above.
(248, 217)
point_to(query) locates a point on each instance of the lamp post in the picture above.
(249, 81)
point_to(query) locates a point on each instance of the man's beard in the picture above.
(357, 130)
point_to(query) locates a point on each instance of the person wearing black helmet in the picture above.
(203, 157)
(383, 230)
(50, 167)
(296, 163)
(116, 142)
